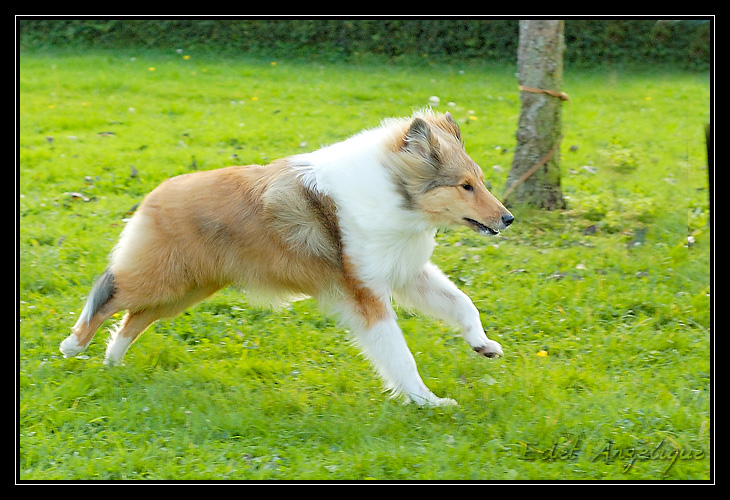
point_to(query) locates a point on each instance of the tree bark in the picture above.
(540, 66)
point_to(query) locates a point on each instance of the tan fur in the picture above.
(250, 226)
(367, 304)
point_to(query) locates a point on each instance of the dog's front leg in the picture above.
(384, 345)
(432, 293)
(382, 342)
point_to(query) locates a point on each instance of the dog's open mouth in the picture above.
(480, 228)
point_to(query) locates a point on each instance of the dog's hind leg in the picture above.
(136, 321)
(83, 332)
(99, 307)
(126, 332)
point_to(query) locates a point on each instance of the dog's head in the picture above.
(435, 175)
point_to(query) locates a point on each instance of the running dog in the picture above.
(351, 225)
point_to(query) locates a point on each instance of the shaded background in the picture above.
(685, 44)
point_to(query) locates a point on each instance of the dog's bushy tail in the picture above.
(101, 293)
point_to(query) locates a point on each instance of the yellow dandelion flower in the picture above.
(648, 98)
(472, 117)
(152, 68)
(273, 63)
(186, 58)
(254, 98)
(542, 353)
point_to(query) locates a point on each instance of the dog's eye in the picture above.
(467, 187)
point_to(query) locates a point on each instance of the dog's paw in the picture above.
(438, 402)
(430, 401)
(490, 349)
(70, 347)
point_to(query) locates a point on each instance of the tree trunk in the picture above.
(540, 65)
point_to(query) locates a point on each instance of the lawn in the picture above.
(603, 309)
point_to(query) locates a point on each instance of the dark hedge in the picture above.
(588, 42)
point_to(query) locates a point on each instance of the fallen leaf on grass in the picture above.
(78, 196)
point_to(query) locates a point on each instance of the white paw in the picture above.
(445, 402)
(109, 362)
(490, 349)
(431, 401)
(70, 347)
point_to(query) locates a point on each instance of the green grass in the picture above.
(230, 392)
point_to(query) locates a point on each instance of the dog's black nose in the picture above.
(507, 219)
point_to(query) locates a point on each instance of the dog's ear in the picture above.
(452, 125)
(419, 140)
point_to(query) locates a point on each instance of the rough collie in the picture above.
(351, 225)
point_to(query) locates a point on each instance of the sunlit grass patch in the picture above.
(602, 309)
